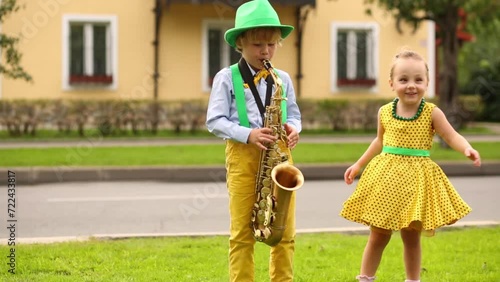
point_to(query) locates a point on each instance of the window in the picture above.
(89, 52)
(354, 55)
(217, 54)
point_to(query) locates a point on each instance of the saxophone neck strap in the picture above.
(240, 73)
(249, 80)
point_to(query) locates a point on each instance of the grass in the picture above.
(55, 135)
(200, 155)
(466, 255)
(43, 135)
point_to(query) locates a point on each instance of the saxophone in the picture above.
(276, 178)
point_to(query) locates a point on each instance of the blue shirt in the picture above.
(222, 115)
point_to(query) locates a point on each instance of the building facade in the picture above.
(170, 50)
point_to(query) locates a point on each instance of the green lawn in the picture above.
(49, 135)
(465, 255)
(200, 155)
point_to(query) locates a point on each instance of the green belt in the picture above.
(406, 151)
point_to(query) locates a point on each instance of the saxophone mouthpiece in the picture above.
(267, 65)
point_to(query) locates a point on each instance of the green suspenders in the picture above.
(239, 94)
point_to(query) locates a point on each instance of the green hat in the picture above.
(254, 14)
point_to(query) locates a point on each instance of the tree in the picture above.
(482, 52)
(445, 13)
(10, 65)
(479, 73)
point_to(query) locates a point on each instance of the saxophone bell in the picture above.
(287, 177)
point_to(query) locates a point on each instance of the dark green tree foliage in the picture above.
(485, 81)
(482, 51)
(445, 13)
(480, 66)
(10, 65)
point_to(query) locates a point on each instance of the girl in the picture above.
(401, 187)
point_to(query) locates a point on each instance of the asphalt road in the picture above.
(71, 211)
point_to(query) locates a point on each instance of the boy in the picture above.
(256, 35)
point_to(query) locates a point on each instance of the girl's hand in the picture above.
(261, 137)
(473, 155)
(292, 136)
(351, 173)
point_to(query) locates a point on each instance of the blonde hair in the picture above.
(405, 54)
(267, 34)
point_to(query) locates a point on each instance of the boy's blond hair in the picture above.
(264, 34)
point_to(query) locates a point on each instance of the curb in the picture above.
(39, 175)
(362, 230)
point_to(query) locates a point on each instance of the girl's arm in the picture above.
(374, 149)
(452, 137)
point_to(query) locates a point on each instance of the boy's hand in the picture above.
(261, 137)
(292, 136)
(473, 155)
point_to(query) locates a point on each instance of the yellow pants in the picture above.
(242, 161)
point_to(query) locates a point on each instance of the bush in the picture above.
(113, 117)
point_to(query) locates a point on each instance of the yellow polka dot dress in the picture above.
(399, 191)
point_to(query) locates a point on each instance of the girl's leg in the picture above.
(372, 255)
(412, 253)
